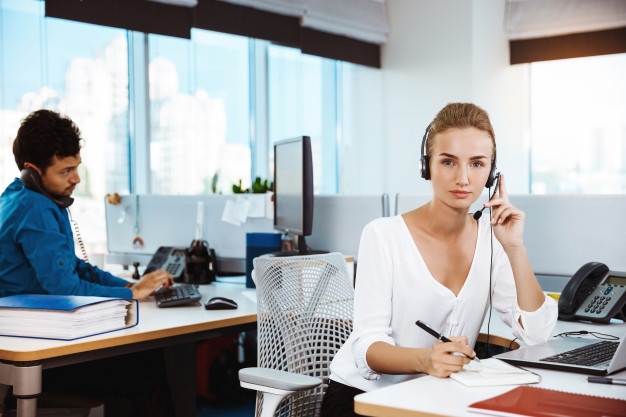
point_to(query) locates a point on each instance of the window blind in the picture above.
(542, 30)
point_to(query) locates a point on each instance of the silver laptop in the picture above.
(564, 354)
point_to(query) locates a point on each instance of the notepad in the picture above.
(492, 371)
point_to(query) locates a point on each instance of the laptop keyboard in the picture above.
(589, 355)
(176, 295)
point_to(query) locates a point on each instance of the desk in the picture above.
(23, 359)
(431, 396)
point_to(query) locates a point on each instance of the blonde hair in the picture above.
(459, 115)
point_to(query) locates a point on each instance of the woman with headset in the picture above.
(441, 265)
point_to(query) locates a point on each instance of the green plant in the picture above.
(258, 187)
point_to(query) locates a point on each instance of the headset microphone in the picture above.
(495, 190)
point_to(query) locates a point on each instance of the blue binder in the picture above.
(64, 317)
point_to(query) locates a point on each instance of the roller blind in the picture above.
(542, 30)
(138, 15)
(347, 30)
(364, 20)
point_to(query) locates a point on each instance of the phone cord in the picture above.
(81, 244)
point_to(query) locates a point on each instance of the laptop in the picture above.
(557, 354)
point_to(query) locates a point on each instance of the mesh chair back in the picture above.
(304, 315)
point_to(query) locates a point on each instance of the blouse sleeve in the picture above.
(372, 301)
(537, 325)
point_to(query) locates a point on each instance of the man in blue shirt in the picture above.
(36, 243)
(37, 257)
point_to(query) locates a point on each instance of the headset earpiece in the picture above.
(492, 175)
(425, 159)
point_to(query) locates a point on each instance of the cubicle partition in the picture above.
(165, 220)
(563, 232)
(161, 220)
(338, 220)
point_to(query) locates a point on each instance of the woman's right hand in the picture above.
(150, 282)
(446, 358)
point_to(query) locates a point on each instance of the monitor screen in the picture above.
(293, 187)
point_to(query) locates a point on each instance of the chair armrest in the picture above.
(276, 379)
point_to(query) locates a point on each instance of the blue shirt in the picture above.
(37, 250)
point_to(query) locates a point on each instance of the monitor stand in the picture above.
(302, 250)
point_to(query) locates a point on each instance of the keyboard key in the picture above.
(176, 295)
(587, 355)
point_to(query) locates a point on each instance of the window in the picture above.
(86, 79)
(216, 103)
(199, 113)
(303, 102)
(578, 126)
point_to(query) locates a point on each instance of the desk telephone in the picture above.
(193, 265)
(170, 259)
(595, 294)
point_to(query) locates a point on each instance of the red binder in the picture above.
(542, 402)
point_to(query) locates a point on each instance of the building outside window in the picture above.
(578, 126)
(199, 113)
(303, 101)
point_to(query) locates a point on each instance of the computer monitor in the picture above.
(293, 190)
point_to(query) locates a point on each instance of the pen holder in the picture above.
(199, 263)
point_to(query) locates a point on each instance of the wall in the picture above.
(439, 51)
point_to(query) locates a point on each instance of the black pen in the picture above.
(604, 380)
(438, 335)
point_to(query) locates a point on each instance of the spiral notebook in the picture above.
(543, 402)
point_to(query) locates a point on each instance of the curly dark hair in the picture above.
(44, 134)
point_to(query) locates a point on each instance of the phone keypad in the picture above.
(599, 305)
(174, 268)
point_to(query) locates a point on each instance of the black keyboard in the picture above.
(587, 355)
(176, 295)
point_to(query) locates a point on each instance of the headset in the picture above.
(425, 162)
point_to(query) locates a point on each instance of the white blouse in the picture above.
(394, 288)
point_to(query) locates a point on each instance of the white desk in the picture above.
(23, 359)
(431, 396)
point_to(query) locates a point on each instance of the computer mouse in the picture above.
(220, 303)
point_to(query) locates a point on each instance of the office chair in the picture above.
(488, 345)
(304, 315)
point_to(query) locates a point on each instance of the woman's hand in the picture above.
(444, 360)
(150, 282)
(507, 220)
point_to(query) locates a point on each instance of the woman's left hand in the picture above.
(507, 220)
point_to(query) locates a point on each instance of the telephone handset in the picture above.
(32, 181)
(595, 294)
(170, 259)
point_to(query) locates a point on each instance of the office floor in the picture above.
(221, 394)
(237, 407)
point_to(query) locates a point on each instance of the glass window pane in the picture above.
(86, 79)
(303, 102)
(199, 113)
(578, 125)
